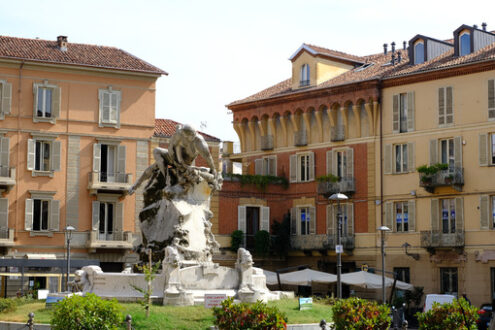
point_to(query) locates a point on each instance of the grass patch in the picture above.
(176, 317)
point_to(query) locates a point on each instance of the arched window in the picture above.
(419, 52)
(304, 78)
(464, 43)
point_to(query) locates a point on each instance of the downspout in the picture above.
(381, 149)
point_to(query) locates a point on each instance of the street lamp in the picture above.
(382, 230)
(338, 248)
(68, 230)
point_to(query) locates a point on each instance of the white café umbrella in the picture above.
(372, 281)
(271, 277)
(306, 277)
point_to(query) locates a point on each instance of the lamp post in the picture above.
(68, 230)
(382, 230)
(338, 248)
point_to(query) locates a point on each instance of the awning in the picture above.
(306, 277)
(40, 256)
(271, 277)
(372, 281)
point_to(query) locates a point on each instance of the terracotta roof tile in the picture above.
(167, 128)
(47, 51)
(336, 53)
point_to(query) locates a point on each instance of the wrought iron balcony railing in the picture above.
(301, 138)
(337, 133)
(320, 242)
(345, 185)
(267, 142)
(438, 239)
(102, 181)
(453, 176)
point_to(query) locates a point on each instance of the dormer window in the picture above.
(304, 78)
(464, 43)
(419, 52)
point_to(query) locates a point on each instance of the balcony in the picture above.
(345, 185)
(337, 134)
(300, 139)
(438, 239)
(102, 182)
(320, 242)
(453, 177)
(7, 237)
(267, 142)
(7, 177)
(117, 240)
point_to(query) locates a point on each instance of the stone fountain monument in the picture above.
(176, 217)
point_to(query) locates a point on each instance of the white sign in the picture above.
(214, 300)
(339, 248)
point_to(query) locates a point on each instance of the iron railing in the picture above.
(438, 239)
(453, 176)
(345, 185)
(267, 142)
(320, 242)
(300, 138)
(337, 133)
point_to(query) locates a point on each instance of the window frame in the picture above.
(448, 224)
(54, 104)
(304, 75)
(55, 150)
(403, 274)
(5, 98)
(491, 160)
(306, 223)
(53, 213)
(403, 113)
(452, 273)
(404, 218)
(42, 202)
(105, 233)
(450, 157)
(303, 167)
(491, 202)
(101, 100)
(416, 52)
(460, 38)
(404, 158)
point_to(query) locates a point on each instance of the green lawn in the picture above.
(174, 317)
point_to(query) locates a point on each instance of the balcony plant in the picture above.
(328, 178)
(427, 172)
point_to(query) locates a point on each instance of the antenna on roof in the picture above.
(483, 25)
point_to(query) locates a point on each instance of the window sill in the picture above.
(40, 233)
(44, 120)
(42, 173)
(113, 125)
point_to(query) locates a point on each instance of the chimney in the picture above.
(399, 56)
(62, 43)
(404, 45)
(393, 59)
(385, 49)
(393, 46)
(484, 26)
(475, 26)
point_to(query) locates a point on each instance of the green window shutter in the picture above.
(95, 215)
(449, 108)
(329, 162)
(491, 99)
(330, 220)
(458, 151)
(387, 159)
(312, 220)
(118, 225)
(6, 101)
(433, 152)
(56, 102)
(121, 155)
(410, 112)
(411, 161)
(411, 208)
(4, 156)
(349, 154)
(293, 168)
(96, 157)
(55, 160)
(389, 215)
(395, 114)
(54, 222)
(441, 106)
(241, 218)
(311, 166)
(484, 152)
(4, 213)
(28, 215)
(265, 218)
(293, 221)
(258, 166)
(484, 211)
(350, 219)
(435, 222)
(459, 213)
(31, 154)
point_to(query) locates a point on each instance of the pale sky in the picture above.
(217, 52)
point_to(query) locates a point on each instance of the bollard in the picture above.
(323, 324)
(128, 321)
(30, 322)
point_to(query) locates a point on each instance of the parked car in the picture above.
(485, 313)
(439, 298)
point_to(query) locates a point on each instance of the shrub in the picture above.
(237, 240)
(86, 312)
(246, 316)
(7, 305)
(458, 315)
(328, 178)
(262, 242)
(357, 313)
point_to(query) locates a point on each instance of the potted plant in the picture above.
(449, 179)
(328, 178)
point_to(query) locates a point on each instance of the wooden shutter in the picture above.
(35, 100)
(265, 218)
(433, 152)
(350, 219)
(312, 220)
(28, 215)
(449, 107)
(272, 162)
(54, 222)
(4, 156)
(411, 164)
(6, 100)
(395, 115)
(56, 102)
(441, 106)
(95, 215)
(411, 208)
(118, 224)
(293, 168)
(293, 221)
(435, 220)
(31, 154)
(458, 151)
(113, 107)
(330, 220)
(105, 107)
(389, 215)
(387, 159)
(484, 151)
(491, 99)
(258, 166)
(329, 162)
(241, 218)
(4, 213)
(459, 213)
(121, 154)
(96, 157)
(55, 159)
(311, 166)
(349, 154)
(410, 111)
(484, 211)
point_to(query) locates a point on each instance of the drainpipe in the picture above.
(381, 150)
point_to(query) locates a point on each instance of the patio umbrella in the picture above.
(372, 281)
(306, 277)
(271, 277)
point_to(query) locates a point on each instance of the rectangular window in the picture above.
(492, 275)
(269, 165)
(401, 158)
(448, 280)
(401, 216)
(491, 99)
(42, 156)
(303, 167)
(44, 102)
(341, 164)
(108, 161)
(304, 219)
(447, 153)
(109, 107)
(403, 112)
(106, 221)
(493, 212)
(447, 215)
(445, 107)
(402, 274)
(40, 214)
(492, 148)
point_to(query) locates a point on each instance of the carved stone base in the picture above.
(181, 298)
(250, 296)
